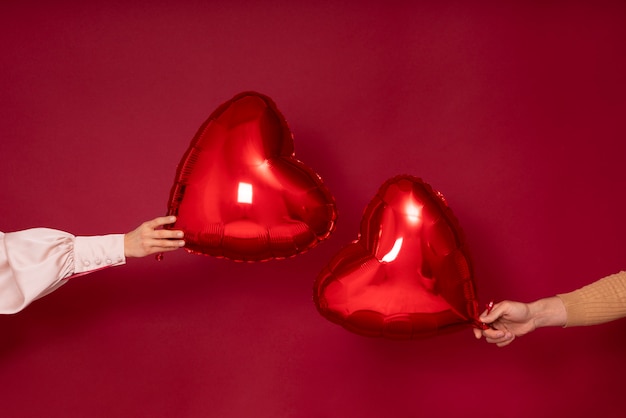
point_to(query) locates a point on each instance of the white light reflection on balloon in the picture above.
(413, 212)
(244, 193)
(391, 255)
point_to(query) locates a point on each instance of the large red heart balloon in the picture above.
(241, 194)
(408, 274)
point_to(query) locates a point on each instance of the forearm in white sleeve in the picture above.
(37, 261)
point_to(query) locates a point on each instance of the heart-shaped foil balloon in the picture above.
(241, 194)
(408, 274)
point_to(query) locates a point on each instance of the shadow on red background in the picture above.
(514, 112)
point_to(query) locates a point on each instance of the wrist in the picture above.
(128, 250)
(548, 312)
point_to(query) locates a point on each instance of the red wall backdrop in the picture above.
(514, 111)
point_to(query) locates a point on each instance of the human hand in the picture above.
(150, 238)
(508, 320)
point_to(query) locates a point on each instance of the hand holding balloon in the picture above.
(508, 319)
(150, 238)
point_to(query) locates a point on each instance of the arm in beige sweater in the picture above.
(596, 303)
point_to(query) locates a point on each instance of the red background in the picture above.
(514, 111)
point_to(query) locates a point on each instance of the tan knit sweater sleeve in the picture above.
(598, 302)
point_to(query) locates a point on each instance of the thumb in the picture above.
(491, 315)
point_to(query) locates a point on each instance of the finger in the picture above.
(502, 340)
(163, 234)
(478, 333)
(154, 250)
(493, 334)
(165, 243)
(161, 221)
(506, 342)
(167, 249)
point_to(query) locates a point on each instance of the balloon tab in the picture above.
(489, 309)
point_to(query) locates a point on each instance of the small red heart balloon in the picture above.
(408, 274)
(241, 194)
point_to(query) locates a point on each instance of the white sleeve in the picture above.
(37, 261)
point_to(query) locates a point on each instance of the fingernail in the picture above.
(172, 218)
(180, 234)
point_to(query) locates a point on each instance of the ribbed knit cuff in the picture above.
(596, 303)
